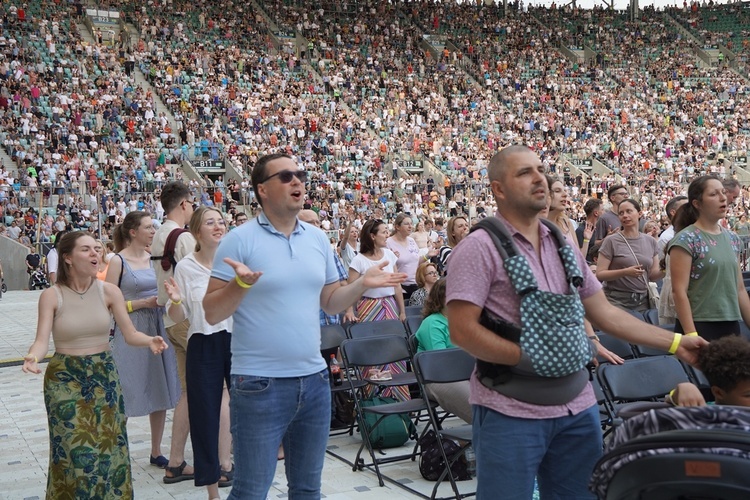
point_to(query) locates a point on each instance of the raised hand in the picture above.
(173, 290)
(243, 272)
(588, 231)
(375, 277)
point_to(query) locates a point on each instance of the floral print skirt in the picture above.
(89, 455)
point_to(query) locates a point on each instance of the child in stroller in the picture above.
(689, 452)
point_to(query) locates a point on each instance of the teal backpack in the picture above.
(392, 432)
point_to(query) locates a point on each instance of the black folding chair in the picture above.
(331, 337)
(371, 328)
(639, 380)
(445, 366)
(651, 316)
(618, 346)
(412, 324)
(642, 351)
(413, 311)
(380, 350)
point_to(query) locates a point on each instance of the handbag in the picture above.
(651, 289)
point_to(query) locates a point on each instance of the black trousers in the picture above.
(207, 367)
(712, 330)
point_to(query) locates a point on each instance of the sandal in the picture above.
(160, 461)
(177, 474)
(229, 477)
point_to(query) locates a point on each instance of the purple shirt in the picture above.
(476, 275)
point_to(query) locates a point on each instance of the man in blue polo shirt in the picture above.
(273, 275)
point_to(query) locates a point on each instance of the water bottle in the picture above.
(335, 370)
(471, 461)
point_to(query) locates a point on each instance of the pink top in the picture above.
(476, 275)
(408, 257)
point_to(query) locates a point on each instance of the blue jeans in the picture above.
(266, 411)
(511, 452)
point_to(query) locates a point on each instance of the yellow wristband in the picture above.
(177, 303)
(130, 306)
(675, 343)
(29, 356)
(691, 334)
(241, 283)
(585, 240)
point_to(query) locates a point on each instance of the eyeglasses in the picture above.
(620, 193)
(431, 273)
(214, 222)
(286, 176)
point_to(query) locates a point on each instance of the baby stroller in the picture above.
(678, 453)
(38, 279)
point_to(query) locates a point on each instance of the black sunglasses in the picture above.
(286, 176)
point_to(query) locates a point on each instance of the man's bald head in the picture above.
(309, 216)
(499, 161)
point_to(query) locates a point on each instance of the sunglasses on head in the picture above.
(286, 176)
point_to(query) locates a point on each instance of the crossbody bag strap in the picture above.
(634, 256)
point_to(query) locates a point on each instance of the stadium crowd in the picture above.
(391, 113)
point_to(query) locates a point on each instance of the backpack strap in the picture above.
(515, 264)
(567, 255)
(167, 260)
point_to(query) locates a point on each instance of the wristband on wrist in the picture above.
(595, 338)
(585, 240)
(691, 334)
(130, 306)
(675, 343)
(177, 303)
(29, 356)
(241, 283)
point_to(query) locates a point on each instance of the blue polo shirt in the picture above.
(276, 326)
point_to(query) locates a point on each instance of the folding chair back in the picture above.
(651, 316)
(413, 311)
(377, 350)
(444, 365)
(413, 323)
(331, 337)
(373, 328)
(643, 351)
(641, 379)
(617, 346)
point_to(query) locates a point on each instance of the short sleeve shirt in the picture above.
(712, 289)
(476, 275)
(277, 325)
(615, 248)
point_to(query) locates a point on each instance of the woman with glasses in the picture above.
(379, 304)
(149, 383)
(208, 356)
(427, 276)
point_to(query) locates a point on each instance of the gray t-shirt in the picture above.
(609, 221)
(615, 248)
